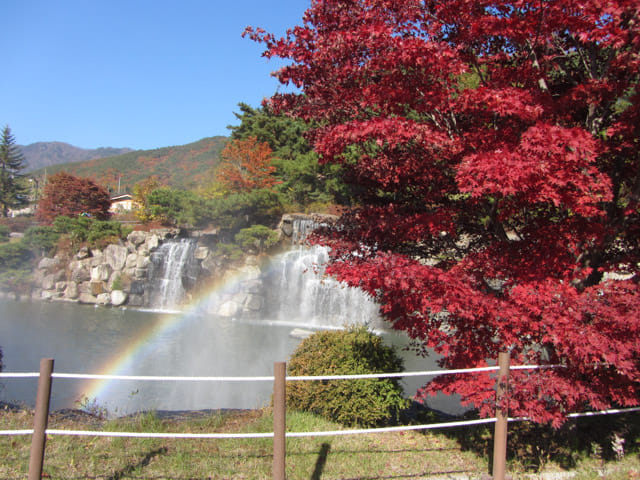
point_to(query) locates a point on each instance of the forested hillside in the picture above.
(183, 166)
(46, 154)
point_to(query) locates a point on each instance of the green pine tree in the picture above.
(13, 193)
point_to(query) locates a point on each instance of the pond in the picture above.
(86, 339)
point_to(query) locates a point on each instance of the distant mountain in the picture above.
(183, 166)
(45, 154)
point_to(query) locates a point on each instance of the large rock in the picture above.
(80, 271)
(116, 256)
(228, 309)
(201, 253)
(100, 273)
(87, 298)
(152, 242)
(103, 299)
(137, 237)
(49, 263)
(72, 291)
(118, 297)
(97, 288)
(143, 262)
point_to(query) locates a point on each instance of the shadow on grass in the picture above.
(143, 462)
(533, 446)
(321, 462)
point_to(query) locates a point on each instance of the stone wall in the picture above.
(117, 275)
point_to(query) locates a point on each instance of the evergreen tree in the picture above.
(12, 190)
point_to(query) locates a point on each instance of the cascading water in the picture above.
(301, 293)
(171, 268)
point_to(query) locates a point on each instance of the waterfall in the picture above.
(171, 269)
(299, 292)
(302, 228)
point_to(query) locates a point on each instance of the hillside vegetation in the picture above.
(46, 154)
(182, 166)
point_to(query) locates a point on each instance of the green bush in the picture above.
(4, 233)
(256, 237)
(42, 240)
(98, 233)
(229, 251)
(367, 402)
(77, 228)
(102, 232)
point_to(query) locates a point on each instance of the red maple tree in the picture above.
(494, 150)
(246, 165)
(68, 195)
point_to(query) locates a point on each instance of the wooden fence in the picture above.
(279, 434)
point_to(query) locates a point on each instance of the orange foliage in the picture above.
(246, 165)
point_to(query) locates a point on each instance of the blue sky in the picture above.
(133, 73)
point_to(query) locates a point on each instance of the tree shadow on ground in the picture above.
(143, 462)
(321, 462)
(533, 446)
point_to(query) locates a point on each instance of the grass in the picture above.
(398, 455)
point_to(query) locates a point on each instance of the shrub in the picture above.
(98, 233)
(229, 251)
(256, 237)
(103, 232)
(4, 233)
(42, 240)
(368, 402)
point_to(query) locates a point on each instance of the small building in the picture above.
(122, 203)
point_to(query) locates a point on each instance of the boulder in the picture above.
(80, 271)
(118, 297)
(116, 256)
(72, 291)
(143, 261)
(131, 260)
(137, 238)
(152, 242)
(83, 253)
(97, 288)
(87, 298)
(104, 299)
(100, 273)
(49, 263)
(228, 309)
(201, 253)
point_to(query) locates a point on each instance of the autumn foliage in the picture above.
(246, 165)
(67, 195)
(493, 150)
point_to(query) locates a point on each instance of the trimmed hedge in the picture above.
(367, 402)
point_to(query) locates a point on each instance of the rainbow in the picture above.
(165, 324)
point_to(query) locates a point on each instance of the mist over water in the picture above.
(195, 342)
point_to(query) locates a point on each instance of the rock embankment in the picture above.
(116, 275)
(122, 273)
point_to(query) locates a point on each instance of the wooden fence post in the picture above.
(500, 434)
(40, 420)
(279, 420)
